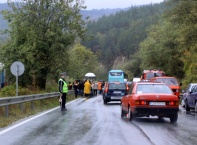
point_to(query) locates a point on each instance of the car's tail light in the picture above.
(106, 90)
(173, 103)
(141, 102)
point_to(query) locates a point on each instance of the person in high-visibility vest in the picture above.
(63, 89)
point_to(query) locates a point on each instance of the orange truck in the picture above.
(148, 74)
(171, 82)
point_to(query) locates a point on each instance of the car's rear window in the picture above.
(117, 86)
(150, 75)
(169, 81)
(153, 88)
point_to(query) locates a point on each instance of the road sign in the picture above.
(17, 68)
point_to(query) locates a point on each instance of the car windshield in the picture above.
(153, 88)
(168, 81)
(117, 86)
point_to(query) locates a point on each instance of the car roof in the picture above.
(193, 84)
(164, 77)
(144, 82)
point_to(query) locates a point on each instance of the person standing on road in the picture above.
(87, 88)
(63, 89)
(81, 87)
(95, 87)
(76, 85)
(100, 87)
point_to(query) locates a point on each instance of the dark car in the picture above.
(146, 99)
(114, 91)
(186, 93)
(191, 99)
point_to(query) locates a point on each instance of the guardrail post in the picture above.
(6, 111)
(32, 105)
(21, 107)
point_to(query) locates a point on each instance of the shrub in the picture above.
(10, 90)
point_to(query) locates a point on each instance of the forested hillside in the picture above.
(161, 36)
(120, 34)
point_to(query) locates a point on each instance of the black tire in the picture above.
(187, 106)
(105, 101)
(196, 107)
(173, 118)
(130, 115)
(122, 112)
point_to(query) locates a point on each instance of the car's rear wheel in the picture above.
(196, 107)
(122, 112)
(130, 114)
(187, 106)
(173, 118)
(105, 101)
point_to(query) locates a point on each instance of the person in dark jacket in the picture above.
(81, 87)
(75, 86)
(63, 89)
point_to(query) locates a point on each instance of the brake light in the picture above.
(173, 103)
(140, 102)
(106, 90)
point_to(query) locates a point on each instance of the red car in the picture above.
(149, 98)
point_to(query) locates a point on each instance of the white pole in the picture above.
(17, 73)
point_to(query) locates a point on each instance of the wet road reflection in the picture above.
(90, 122)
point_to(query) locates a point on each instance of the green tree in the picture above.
(184, 16)
(41, 32)
(82, 61)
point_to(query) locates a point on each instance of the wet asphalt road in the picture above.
(90, 122)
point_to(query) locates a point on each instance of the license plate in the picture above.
(117, 92)
(157, 103)
(116, 98)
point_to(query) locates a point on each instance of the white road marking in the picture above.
(28, 120)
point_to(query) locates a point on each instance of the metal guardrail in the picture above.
(26, 98)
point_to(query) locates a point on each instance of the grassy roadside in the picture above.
(16, 114)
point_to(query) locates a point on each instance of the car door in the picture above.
(192, 97)
(125, 100)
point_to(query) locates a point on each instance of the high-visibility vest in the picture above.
(65, 86)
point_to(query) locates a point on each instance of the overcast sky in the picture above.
(103, 4)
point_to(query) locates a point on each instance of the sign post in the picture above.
(17, 68)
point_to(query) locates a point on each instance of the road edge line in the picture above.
(32, 118)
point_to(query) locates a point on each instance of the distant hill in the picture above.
(92, 14)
